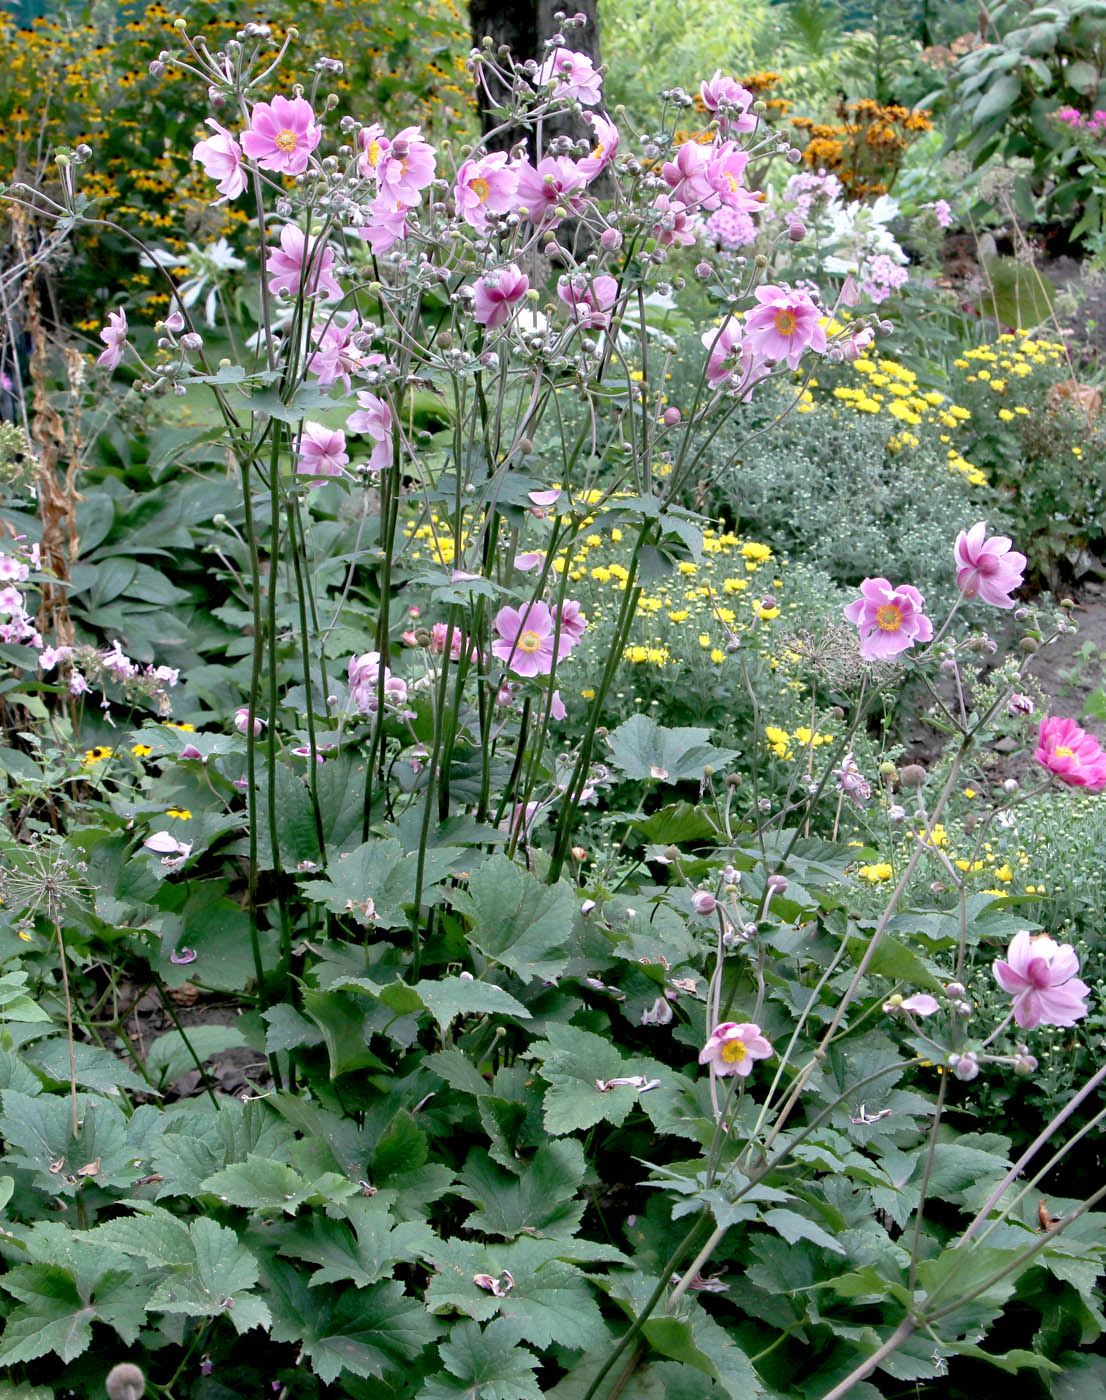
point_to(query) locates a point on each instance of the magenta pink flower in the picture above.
(987, 568)
(725, 174)
(338, 351)
(784, 325)
(733, 1047)
(496, 292)
(686, 175)
(589, 302)
(729, 101)
(282, 134)
(302, 262)
(574, 74)
(525, 641)
(485, 186)
(322, 451)
(890, 619)
(221, 157)
(374, 419)
(1040, 975)
(114, 336)
(1073, 755)
(555, 184)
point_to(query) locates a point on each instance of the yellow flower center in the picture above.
(285, 140)
(784, 320)
(889, 618)
(1064, 752)
(734, 1051)
(373, 153)
(529, 641)
(480, 189)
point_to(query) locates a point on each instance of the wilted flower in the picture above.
(733, 1047)
(852, 781)
(1040, 975)
(659, 1014)
(965, 1066)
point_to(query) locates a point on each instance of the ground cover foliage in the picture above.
(537, 682)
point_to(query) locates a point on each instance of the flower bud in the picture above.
(671, 417)
(887, 769)
(913, 775)
(965, 1066)
(125, 1382)
(1029, 645)
(704, 903)
(611, 239)
(777, 884)
(796, 231)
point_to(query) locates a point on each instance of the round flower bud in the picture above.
(777, 884)
(1029, 645)
(913, 775)
(750, 929)
(125, 1382)
(671, 417)
(887, 769)
(895, 813)
(796, 231)
(965, 1066)
(704, 903)
(611, 239)
(704, 271)
(1024, 1062)
(956, 990)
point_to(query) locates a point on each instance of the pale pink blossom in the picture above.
(574, 76)
(572, 622)
(675, 226)
(12, 570)
(890, 619)
(282, 134)
(496, 292)
(605, 148)
(321, 451)
(784, 325)
(591, 301)
(686, 174)
(728, 101)
(374, 419)
(221, 157)
(942, 212)
(242, 721)
(114, 336)
(733, 1047)
(49, 657)
(1040, 975)
(525, 640)
(557, 708)
(987, 568)
(485, 186)
(725, 175)
(1073, 755)
(387, 224)
(302, 263)
(338, 352)
(402, 166)
(165, 845)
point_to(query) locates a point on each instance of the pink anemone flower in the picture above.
(784, 325)
(890, 619)
(496, 292)
(988, 569)
(575, 76)
(221, 157)
(1073, 755)
(301, 261)
(733, 1047)
(114, 336)
(282, 134)
(525, 641)
(1040, 975)
(322, 451)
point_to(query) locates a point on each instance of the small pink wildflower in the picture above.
(784, 325)
(525, 641)
(942, 212)
(1073, 755)
(322, 451)
(890, 619)
(114, 336)
(987, 568)
(302, 262)
(605, 148)
(496, 292)
(282, 134)
(733, 1047)
(221, 157)
(1040, 975)
(572, 622)
(574, 75)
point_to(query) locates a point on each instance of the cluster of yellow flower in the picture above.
(883, 386)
